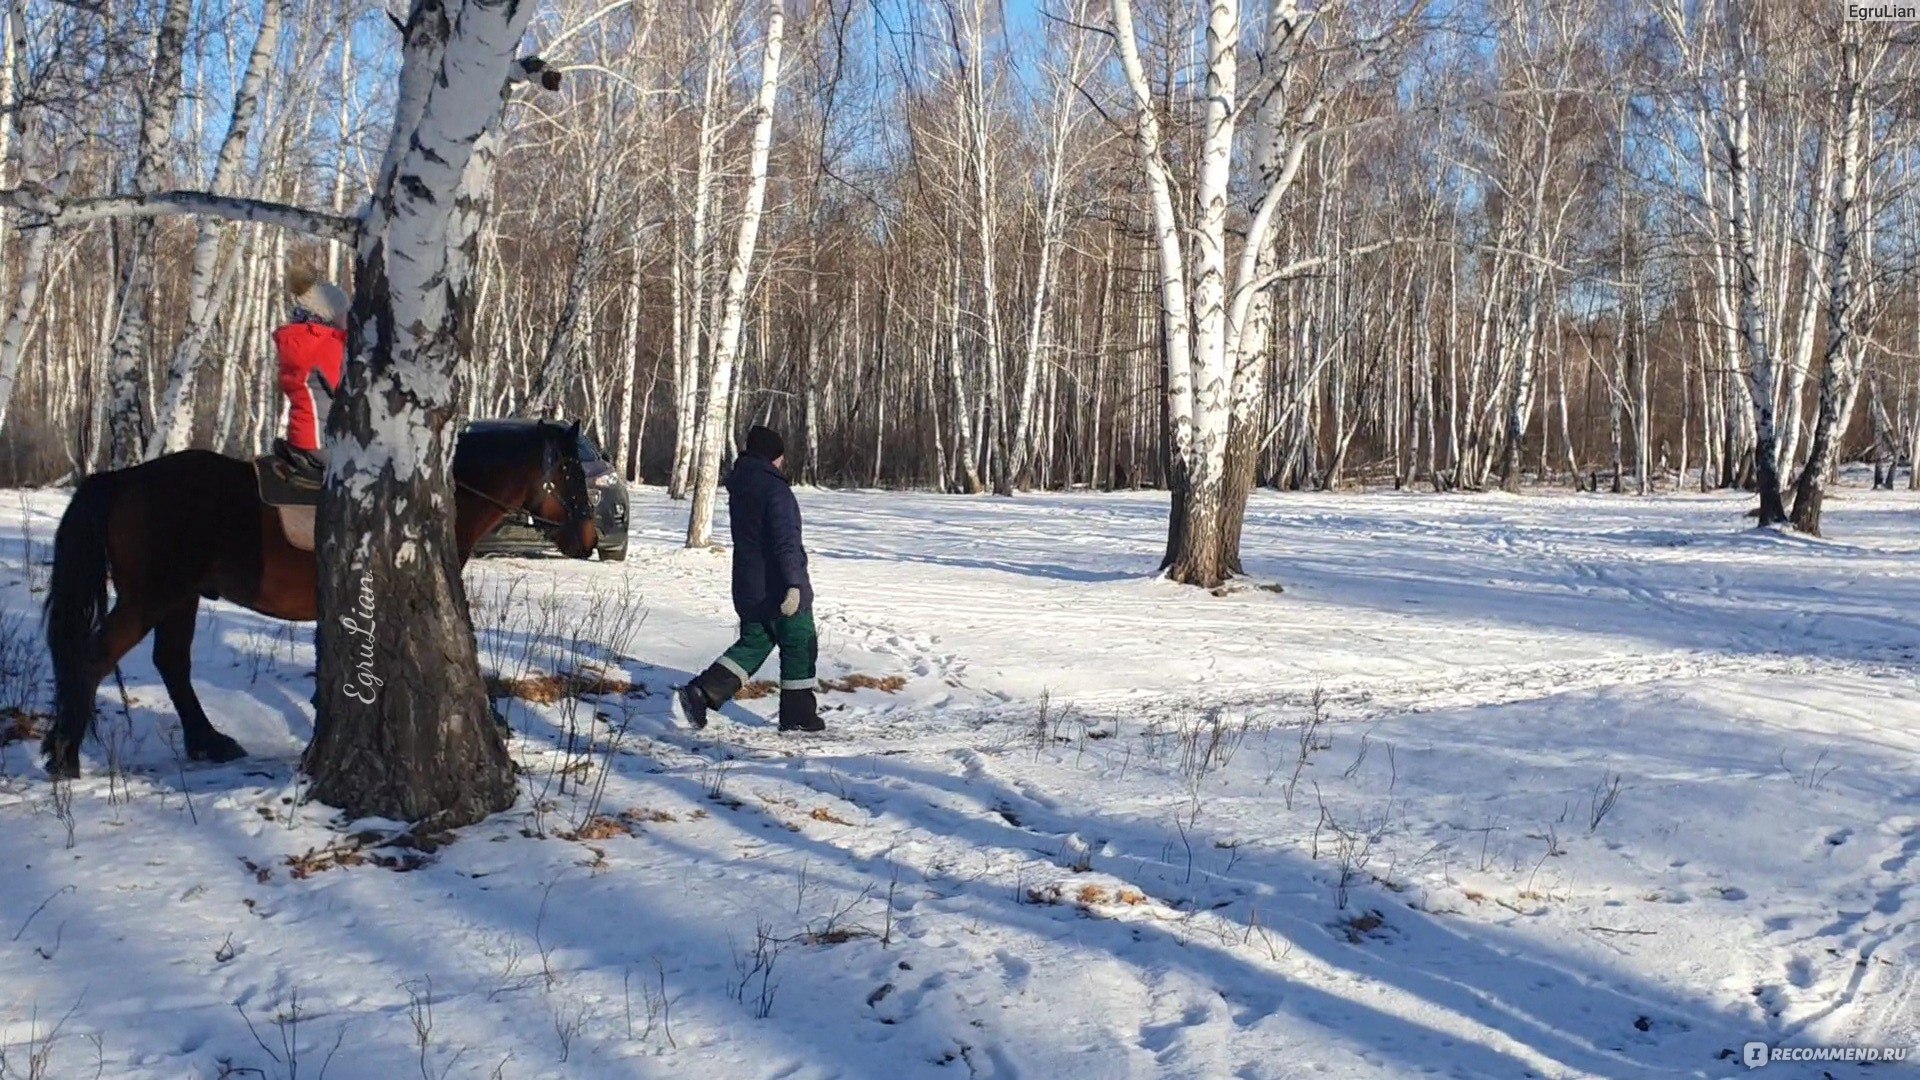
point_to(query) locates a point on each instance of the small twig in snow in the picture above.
(36, 911)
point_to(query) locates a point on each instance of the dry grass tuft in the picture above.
(1045, 894)
(1360, 926)
(17, 725)
(888, 684)
(599, 827)
(320, 860)
(401, 854)
(821, 813)
(545, 689)
(1085, 896)
(838, 935)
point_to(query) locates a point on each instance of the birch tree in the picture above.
(1063, 125)
(1730, 108)
(125, 417)
(1839, 376)
(1430, 212)
(45, 181)
(404, 728)
(714, 425)
(1205, 314)
(173, 426)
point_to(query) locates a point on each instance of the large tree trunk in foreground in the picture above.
(403, 728)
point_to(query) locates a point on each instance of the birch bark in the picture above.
(715, 430)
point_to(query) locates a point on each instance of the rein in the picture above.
(546, 487)
(464, 486)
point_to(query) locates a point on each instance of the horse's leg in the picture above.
(125, 626)
(173, 656)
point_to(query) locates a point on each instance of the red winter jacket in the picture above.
(311, 355)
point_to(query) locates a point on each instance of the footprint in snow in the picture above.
(1800, 972)
(1164, 1039)
(1015, 969)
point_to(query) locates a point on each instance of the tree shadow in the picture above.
(1434, 967)
(1736, 592)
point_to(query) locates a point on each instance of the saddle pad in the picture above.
(297, 523)
(281, 486)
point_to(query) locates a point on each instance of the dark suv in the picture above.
(517, 534)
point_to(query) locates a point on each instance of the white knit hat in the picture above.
(326, 301)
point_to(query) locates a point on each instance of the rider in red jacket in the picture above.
(312, 348)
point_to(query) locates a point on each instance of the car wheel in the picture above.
(614, 554)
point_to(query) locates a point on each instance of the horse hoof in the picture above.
(220, 749)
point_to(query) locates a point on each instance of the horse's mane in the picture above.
(482, 446)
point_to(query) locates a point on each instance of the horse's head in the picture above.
(562, 496)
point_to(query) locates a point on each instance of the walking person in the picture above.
(771, 593)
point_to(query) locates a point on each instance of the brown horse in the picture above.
(192, 525)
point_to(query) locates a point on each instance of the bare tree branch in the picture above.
(315, 223)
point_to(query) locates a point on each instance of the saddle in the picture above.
(293, 495)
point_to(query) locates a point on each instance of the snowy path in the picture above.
(1106, 828)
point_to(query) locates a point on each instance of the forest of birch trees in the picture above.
(993, 245)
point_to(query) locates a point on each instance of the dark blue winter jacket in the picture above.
(768, 557)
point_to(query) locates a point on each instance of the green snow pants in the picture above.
(799, 647)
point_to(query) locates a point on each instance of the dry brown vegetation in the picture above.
(886, 684)
(17, 725)
(889, 684)
(1086, 896)
(546, 688)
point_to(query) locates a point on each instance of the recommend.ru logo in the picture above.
(1757, 1054)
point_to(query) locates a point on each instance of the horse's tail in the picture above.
(76, 605)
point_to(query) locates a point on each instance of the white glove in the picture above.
(791, 604)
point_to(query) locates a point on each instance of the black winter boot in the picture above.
(305, 469)
(714, 688)
(693, 705)
(799, 711)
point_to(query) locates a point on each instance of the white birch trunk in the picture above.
(123, 416)
(403, 726)
(727, 344)
(696, 329)
(1839, 376)
(173, 421)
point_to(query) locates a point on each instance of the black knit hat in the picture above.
(764, 442)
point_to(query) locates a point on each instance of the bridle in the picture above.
(579, 508)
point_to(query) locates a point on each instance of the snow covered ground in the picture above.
(1497, 786)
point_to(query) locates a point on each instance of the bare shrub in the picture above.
(1312, 740)
(33, 1059)
(1208, 742)
(1600, 802)
(655, 1002)
(754, 985)
(60, 800)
